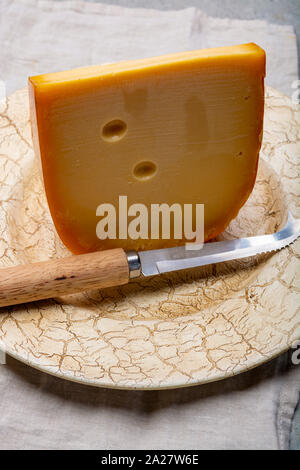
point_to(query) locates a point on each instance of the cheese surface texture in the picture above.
(182, 128)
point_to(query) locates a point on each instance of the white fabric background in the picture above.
(39, 36)
(250, 411)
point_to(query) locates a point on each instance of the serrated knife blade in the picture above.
(115, 267)
(165, 260)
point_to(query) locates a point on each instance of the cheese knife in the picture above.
(108, 268)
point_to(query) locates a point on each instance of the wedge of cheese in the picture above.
(182, 128)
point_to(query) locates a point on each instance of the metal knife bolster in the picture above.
(154, 262)
(134, 264)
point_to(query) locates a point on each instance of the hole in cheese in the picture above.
(114, 130)
(144, 170)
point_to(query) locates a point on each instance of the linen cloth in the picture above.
(251, 411)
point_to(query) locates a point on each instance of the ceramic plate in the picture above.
(170, 331)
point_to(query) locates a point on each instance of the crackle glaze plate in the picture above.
(175, 330)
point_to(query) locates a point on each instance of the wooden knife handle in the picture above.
(43, 280)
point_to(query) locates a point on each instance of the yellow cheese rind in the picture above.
(197, 117)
